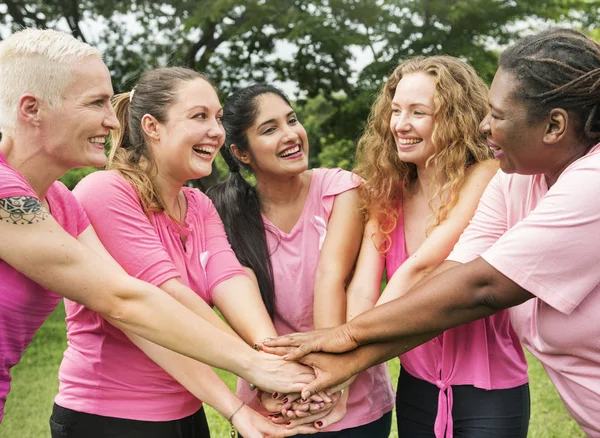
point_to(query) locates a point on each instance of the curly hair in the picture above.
(460, 102)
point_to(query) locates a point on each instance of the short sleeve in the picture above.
(334, 182)
(13, 184)
(486, 226)
(72, 207)
(222, 264)
(115, 212)
(553, 252)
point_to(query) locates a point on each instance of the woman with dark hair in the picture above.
(170, 236)
(531, 245)
(298, 231)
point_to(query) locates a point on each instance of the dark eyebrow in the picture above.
(266, 122)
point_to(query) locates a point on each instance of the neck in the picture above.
(275, 190)
(573, 151)
(424, 178)
(169, 189)
(27, 157)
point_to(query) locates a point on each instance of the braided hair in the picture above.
(558, 68)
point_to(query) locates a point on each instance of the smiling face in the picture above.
(74, 134)
(191, 136)
(411, 122)
(515, 142)
(277, 140)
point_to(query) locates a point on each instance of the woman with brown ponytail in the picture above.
(170, 236)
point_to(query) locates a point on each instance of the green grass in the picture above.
(35, 385)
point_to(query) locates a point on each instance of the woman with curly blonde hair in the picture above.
(426, 166)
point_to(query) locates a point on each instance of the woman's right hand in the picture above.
(296, 345)
(274, 374)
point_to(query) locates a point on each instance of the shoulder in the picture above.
(102, 182)
(335, 181)
(482, 171)
(13, 183)
(198, 202)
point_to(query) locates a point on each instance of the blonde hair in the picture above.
(460, 104)
(39, 62)
(130, 153)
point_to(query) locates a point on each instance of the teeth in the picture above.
(291, 151)
(409, 140)
(97, 140)
(206, 149)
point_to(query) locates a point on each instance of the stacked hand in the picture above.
(329, 369)
(317, 411)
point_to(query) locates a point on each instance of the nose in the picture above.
(216, 129)
(484, 126)
(110, 120)
(289, 134)
(399, 123)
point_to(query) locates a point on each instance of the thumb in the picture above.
(313, 387)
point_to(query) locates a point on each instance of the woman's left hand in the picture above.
(251, 424)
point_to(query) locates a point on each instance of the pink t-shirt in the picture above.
(102, 371)
(295, 256)
(24, 304)
(545, 241)
(485, 353)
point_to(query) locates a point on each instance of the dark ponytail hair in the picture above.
(558, 68)
(236, 200)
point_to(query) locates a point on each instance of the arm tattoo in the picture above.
(22, 210)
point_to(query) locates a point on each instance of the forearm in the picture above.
(329, 306)
(460, 295)
(240, 302)
(198, 378)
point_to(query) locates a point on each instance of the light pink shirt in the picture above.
(102, 372)
(295, 256)
(24, 304)
(547, 241)
(485, 353)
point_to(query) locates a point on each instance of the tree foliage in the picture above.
(307, 43)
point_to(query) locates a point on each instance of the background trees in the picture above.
(334, 54)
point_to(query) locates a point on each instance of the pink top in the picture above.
(24, 304)
(485, 353)
(545, 241)
(295, 256)
(102, 372)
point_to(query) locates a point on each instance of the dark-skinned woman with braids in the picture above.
(531, 246)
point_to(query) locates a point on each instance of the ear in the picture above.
(244, 157)
(556, 126)
(28, 109)
(150, 127)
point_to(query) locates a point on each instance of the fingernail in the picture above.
(319, 424)
(284, 401)
(275, 395)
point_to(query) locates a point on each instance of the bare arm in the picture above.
(336, 260)
(438, 245)
(239, 300)
(364, 289)
(40, 249)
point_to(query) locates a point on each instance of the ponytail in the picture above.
(238, 205)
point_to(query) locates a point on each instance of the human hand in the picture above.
(251, 424)
(321, 402)
(296, 345)
(329, 414)
(331, 371)
(274, 374)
